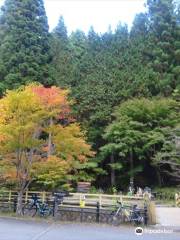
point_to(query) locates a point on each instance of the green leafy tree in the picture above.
(140, 132)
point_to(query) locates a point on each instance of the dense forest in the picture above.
(124, 85)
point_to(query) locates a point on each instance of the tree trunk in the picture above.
(113, 180)
(158, 178)
(19, 203)
(131, 169)
(50, 139)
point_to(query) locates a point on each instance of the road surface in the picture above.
(13, 229)
(168, 216)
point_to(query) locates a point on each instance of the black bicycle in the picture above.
(126, 214)
(35, 206)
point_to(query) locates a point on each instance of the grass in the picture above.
(166, 202)
(13, 215)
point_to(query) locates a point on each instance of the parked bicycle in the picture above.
(127, 214)
(35, 206)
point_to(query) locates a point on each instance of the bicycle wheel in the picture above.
(139, 221)
(137, 218)
(45, 210)
(115, 219)
(30, 210)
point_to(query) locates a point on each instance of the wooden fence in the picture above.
(94, 206)
(74, 199)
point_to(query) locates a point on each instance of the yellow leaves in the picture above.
(3, 137)
(22, 115)
(19, 107)
(11, 174)
(30, 131)
(53, 161)
(70, 141)
(2, 111)
(50, 171)
(8, 172)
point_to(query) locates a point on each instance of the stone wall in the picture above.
(88, 215)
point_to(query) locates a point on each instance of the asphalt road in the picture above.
(168, 216)
(12, 229)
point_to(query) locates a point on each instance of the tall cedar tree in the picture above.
(24, 44)
(164, 43)
(60, 48)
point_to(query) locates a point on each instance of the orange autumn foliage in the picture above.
(55, 101)
(35, 143)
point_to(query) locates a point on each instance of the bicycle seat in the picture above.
(61, 194)
(35, 197)
(135, 206)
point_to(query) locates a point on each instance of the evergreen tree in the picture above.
(61, 31)
(61, 52)
(24, 44)
(78, 48)
(140, 26)
(164, 42)
(146, 81)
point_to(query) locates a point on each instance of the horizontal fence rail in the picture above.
(76, 206)
(74, 199)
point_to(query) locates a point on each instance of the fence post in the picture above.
(145, 215)
(100, 201)
(121, 198)
(15, 204)
(82, 205)
(26, 197)
(9, 200)
(10, 194)
(43, 197)
(97, 212)
(54, 207)
(81, 215)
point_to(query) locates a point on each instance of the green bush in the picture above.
(167, 193)
(112, 190)
(95, 190)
